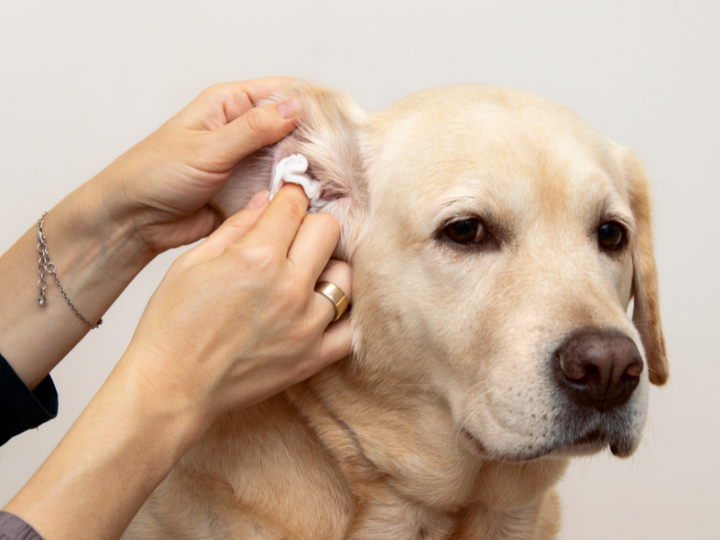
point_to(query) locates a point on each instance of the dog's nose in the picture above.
(598, 368)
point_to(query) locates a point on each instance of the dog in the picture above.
(497, 242)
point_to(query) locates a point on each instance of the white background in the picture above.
(82, 81)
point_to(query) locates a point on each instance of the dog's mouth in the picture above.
(590, 443)
(587, 444)
(594, 442)
(593, 438)
(474, 445)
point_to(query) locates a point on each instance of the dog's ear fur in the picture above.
(646, 310)
(329, 135)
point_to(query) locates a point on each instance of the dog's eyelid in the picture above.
(613, 209)
(488, 236)
(460, 217)
(488, 223)
(451, 213)
(627, 223)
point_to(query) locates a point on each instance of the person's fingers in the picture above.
(235, 227)
(339, 273)
(314, 244)
(230, 100)
(336, 344)
(239, 97)
(280, 222)
(261, 198)
(256, 128)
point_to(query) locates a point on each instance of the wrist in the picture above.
(162, 201)
(118, 451)
(101, 213)
(96, 254)
(95, 257)
(159, 388)
(147, 416)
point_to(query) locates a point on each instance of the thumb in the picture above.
(233, 229)
(258, 127)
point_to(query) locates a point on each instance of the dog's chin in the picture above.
(588, 444)
(622, 449)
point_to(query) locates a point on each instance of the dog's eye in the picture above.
(611, 236)
(466, 231)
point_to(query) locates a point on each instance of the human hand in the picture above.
(150, 199)
(159, 188)
(236, 318)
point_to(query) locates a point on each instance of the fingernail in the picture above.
(289, 108)
(257, 200)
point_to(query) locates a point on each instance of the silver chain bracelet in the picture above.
(45, 265)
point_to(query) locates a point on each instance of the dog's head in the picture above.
(496, 241)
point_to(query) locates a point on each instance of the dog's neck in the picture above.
(400, 440)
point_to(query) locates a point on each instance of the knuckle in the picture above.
(326, 222)
(258, 121)
(241, 222)
(264, 256)
(211, 91)
(217, 88)
(295, 304)
(306, 368)
(294, 207)
(259, 256)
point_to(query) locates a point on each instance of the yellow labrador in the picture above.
(496, 242)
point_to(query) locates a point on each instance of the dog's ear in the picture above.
(329, 135)
(646, 310)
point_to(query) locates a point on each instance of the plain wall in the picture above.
(81, 81)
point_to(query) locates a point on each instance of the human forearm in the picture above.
(208, 343)
(235, 320)
(96, 257)
(117, 452)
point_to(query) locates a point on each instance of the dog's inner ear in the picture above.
(330, 187)
(294, 170)
(327, 137)
(330, 192)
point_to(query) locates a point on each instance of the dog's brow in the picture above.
(453, 202)
(468, 206)
(614, 211)
(467, 201)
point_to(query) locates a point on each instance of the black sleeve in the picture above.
(21, 409)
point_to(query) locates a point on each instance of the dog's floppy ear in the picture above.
(329, 135)
(646, 310)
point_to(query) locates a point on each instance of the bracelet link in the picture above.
(46, 266)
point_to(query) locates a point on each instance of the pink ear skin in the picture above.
(327, 135)
(646, 312)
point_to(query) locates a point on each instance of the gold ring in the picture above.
(335, 294)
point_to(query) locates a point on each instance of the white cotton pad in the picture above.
(293, 169)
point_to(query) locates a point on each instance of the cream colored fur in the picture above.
(445, 422)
